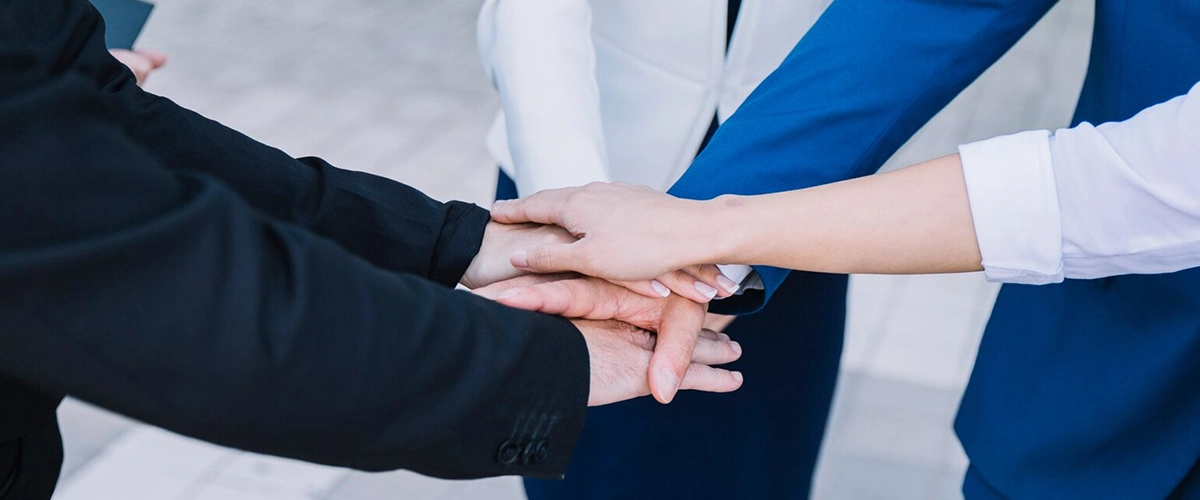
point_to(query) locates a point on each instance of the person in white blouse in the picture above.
(1032, 208)
(631, 90)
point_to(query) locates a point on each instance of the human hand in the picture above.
(677, 320)
(620, 356)
(624, 233)
(492, 263)
(140, 62)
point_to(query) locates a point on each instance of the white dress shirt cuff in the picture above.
(1014, 204)
(744, 276)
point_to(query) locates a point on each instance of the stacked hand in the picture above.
(643, 338)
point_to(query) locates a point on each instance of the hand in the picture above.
(620, 355)
(677, 320)
(492, 263)
(625, 233)
(140, 62)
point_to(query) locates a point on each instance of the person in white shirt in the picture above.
(1034, 208)
(631, 90)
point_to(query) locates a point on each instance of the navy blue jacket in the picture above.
(1086, 389)
(158, 264)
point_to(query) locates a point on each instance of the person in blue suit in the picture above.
(1084, 389)
(1111, 410)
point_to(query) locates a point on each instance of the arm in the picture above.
(391, 225)
(539, 55)
(163, 296)
(1086, 202)
(857, 86)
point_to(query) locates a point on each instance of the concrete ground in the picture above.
(394, 87)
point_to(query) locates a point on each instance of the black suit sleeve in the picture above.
(391, 225)
(161, 294)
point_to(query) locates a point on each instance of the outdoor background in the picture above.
(394, 87)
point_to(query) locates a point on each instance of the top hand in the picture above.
(624, 232)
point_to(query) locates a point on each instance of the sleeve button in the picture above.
(510, 451)
(541, 451)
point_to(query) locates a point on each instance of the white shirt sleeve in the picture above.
(1090, 201)
(540, 56)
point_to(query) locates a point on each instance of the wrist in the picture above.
(725, 219)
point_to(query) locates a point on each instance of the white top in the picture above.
(1091, 201)
(623, 90)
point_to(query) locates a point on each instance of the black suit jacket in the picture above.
(161, 265)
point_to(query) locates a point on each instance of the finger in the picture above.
(686, 286)
(543, 207)
(678, 332)
(718, 322)
(716, 352)
(552, 258)
(137, 64)
(710, 275)
(157, 59)
(708, 333)
(648, 288)
(588, 299)
(494, 290)
(708, 379)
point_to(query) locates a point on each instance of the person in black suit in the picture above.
(158, 264)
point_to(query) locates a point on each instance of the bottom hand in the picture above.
(620, 359)
(677, 321)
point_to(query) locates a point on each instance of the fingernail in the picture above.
(668, 384)
(660, 288)
(737, 348)
(723, 337)
(509, 293)
(520, 259)
(727, 284)
(499, 202)
(708, 291)
(737, 376)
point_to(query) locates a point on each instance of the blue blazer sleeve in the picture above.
(865, 78)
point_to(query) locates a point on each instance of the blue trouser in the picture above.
(760, 442)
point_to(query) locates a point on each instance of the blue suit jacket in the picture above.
(1086, 389)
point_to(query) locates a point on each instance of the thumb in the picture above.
(551, 258)
(677, 337)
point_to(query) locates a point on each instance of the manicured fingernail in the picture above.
(668, 384)
(737, 348)
(660, 288)
(727, 284)
(737, 376)
(520, 259)
(706, 290)
(509, 293)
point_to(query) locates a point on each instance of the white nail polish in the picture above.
(706, 290)
(660, 288)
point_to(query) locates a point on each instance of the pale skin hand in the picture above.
(911, 221)
(140, 62)
(678, 321)
(493, 263)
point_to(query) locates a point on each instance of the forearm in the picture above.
(542, 60)
(911, 221)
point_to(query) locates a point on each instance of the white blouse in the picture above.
(1090, 201)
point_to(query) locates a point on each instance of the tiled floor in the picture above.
(393, 87)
